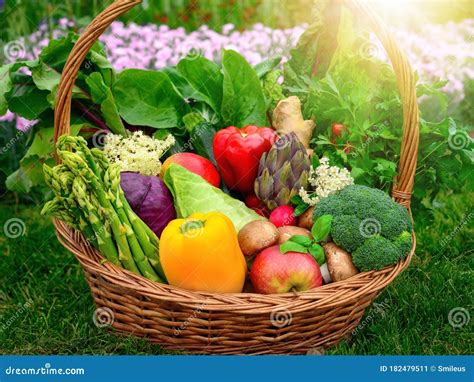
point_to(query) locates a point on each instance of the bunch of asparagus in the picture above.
(88, 197)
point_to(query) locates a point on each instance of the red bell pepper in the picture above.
(237, 153)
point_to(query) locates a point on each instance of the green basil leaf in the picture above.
(301, 239)
(290, 246)
(243, 102)
(318, 253)
(296, 199)
(300, 205)
(301, 209)
(321, 228)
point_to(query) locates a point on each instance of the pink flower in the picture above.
(227, 28)
(24, 125)
(8, 117)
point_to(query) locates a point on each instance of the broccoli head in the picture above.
(369, 224)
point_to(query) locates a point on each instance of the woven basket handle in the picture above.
(403, 185)
(406, 82)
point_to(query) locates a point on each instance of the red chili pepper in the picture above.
(237, 153)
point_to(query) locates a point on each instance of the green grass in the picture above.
(35, 268)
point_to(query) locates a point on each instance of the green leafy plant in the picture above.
(178, 100)
(359, 91)
(301, 243)
(243, 102)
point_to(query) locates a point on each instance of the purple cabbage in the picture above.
(149, 198)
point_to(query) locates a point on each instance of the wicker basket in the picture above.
(245, 323)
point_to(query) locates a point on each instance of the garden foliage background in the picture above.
(45, 306)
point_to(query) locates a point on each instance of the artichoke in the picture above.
(282, 171)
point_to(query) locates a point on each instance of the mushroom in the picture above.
(257, 235)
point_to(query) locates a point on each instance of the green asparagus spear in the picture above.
(78, 165)
(137, 251)
(146, 237)
(89, 197)
(104, 238)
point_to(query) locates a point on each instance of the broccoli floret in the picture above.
(395, 221)
(376, 253)
(345, 232)
(403, 243)
(329, 206)
(364, 218)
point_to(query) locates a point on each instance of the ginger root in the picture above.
(287, 118)
(339, 262)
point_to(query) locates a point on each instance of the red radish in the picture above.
(274, 272)
(283, 215)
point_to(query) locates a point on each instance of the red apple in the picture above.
(282, 216)
(196, 164)
(274, 272)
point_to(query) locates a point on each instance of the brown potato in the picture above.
(339, 262)
(306, 220)
(256, 236)
(288, 231)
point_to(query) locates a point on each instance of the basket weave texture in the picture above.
(244, 323)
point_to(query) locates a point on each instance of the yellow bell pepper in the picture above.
(202, 253)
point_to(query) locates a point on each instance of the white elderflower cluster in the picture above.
(138, 152)
(325, 180)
